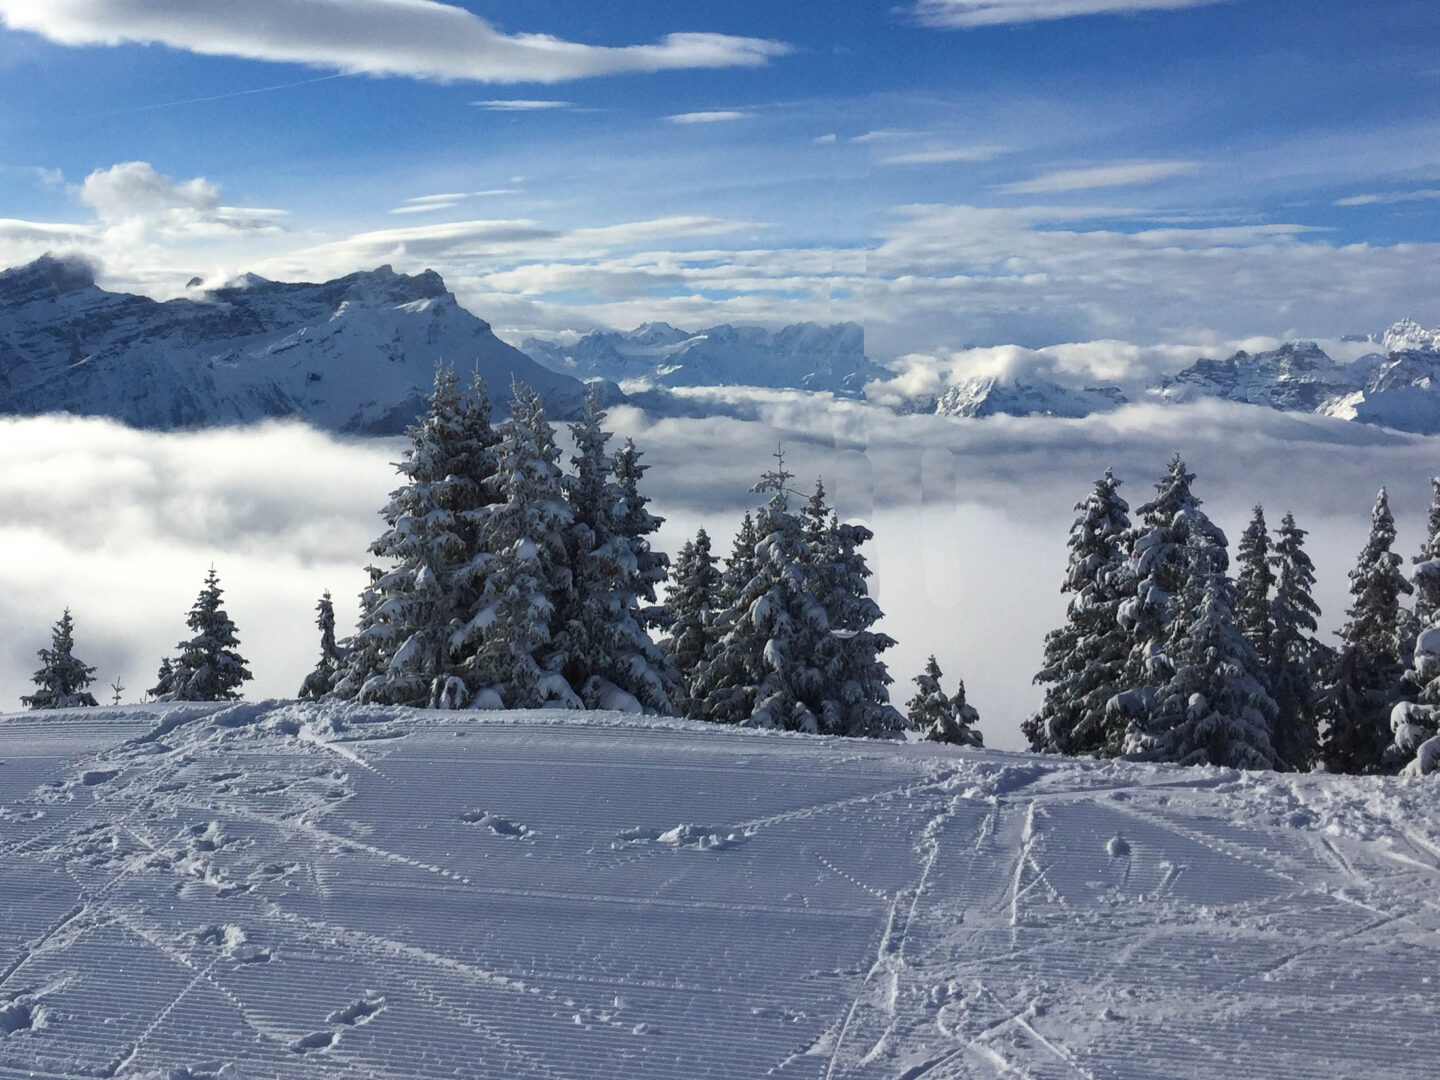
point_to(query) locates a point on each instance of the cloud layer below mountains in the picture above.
(970, 518)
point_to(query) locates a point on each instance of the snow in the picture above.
(403, 894)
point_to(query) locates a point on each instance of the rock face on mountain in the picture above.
(353, 355)
(805, 356)
(1029, 397)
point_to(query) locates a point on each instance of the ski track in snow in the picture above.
(274, 890)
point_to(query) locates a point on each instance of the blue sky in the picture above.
(949, 172)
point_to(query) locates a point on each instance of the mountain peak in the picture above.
(47, 277)
(1409, 335)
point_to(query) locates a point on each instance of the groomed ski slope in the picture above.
(273, 890)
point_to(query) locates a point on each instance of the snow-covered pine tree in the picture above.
(778, 625)
(1364, 678)
(854, 696)
(514, 663)
(692, 601)
(579, 624)
(363, 653)
(1415, 724)
(941, 718)
(1254, 582)
(209, 667)
(61, 681)
(632, 662)
(1427, 567)
(1158, 553)
(1296, 657)
(164, 679)
(1215, 709)
(320, 682)
(1085, 658)
(433, 520)
(725, 682)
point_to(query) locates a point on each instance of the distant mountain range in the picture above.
(805, 356)
(1398, 386)
(357, 355)
(353, 355)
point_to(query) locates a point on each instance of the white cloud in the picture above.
(133, 199)
(417, 38)
(946, 155)
(962, 13)
(714, 116)
(1102, 176)
(825, 140)
(883, 134)
(1390, 198)
(520, 105)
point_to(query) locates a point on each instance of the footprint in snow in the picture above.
(357, 1012)
(498, 825)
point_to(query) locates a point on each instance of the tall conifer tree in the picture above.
(1254, 583)
(1364, 678)
(1296, 657)
(1085, 658)
(693, 601)
(209, 667)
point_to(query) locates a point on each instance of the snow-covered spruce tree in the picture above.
(1215, 709)
(320, 682)
(854, 698)
(61, 681)
(1254, 582)
(514, 663)
(1363, 682)
(209, 667)
(1296, 657)
(363, 653)
(941, 718)
(632, 661)
(1085, 658)
(725, 682)
(777, 628)
(1427, 567)
(692, 601)
(1158, 554)
(434, 518)
(1414, 749)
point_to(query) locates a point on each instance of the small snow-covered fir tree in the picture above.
(853, 697)
(61, 681)
(1085, 658)
(692, 602)
(1254, 582)
(725, 682)
(941, 718)
(321, 681)
(209, 667)
(1415, 724)
(1296, 657)
(514, 664)
(1215, 709)
(1364, 678)
(1158, 554)
(433, 519)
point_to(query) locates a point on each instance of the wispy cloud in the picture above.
(946, 155)
(825, 140)
(713, 116)
(422, 39)
(1390, 198)
(883, 134)
(963, 13)
(1102, 176)
(520, 105)
(421, 204)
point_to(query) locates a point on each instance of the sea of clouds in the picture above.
(970, 519)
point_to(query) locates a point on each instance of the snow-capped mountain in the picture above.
(1399, 388)
(805, 356)
(989, 396)
(354, 355)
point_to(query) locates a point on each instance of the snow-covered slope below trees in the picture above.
(357, 354)
(805, 356)
(271, 890)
